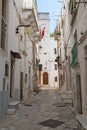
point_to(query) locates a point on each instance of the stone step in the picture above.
(82, 122)
(12, 107)
(10, 111)
(14, 103)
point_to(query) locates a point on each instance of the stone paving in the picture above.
(45, 111)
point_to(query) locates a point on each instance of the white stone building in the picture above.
(17, 50)
(77, 41)
(75, 37)
(47, 50)
(9, 53)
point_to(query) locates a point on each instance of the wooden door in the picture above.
(39, 77)
(21, 85)
(45, 78)
(79, 95)
(12, 76)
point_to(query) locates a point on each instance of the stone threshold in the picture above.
(12, 107)
(82, 121)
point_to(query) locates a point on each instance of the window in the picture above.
(25, 78)
(3, 24)
(55, 51)
(40, 67)
(4, 8)
(56, 79)
(6, 70)
(55, 66)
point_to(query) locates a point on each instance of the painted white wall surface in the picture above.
(79, 25)
(13, 44)
(29, 62)
(13, 40)
(27, 3)
(47, 59)
(82, 29)
(2, 70)
(53, 72)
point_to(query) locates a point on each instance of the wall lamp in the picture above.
(22, 25)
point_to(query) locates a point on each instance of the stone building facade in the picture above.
(47, 50)
(18, 38)
(75, 38)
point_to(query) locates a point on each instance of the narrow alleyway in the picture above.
(44, 111)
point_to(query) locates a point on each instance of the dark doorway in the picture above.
(79, 95)
(21, 85)
(12, 76)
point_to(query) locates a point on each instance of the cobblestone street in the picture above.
(44, 111)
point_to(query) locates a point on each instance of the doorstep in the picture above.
(12, 107)
(14, 103)
(82, 122)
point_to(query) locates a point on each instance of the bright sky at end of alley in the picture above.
(51, 6)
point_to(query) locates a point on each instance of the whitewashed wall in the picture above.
(13, 40)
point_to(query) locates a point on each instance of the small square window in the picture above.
(40, 67)
(56, 79)
(55, 51)
(55, 66)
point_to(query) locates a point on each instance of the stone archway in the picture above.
(45, 78)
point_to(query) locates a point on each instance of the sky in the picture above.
(51, 6)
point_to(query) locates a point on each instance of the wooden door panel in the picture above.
(21, 85)
(45, 78)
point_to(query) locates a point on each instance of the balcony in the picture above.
(73, 7)
(29, 4)
(29, 15)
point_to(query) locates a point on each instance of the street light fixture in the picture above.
(22, 25)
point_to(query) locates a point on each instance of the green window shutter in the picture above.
(74, 52)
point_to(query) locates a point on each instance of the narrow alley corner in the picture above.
(43, 111)
(43, 64)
